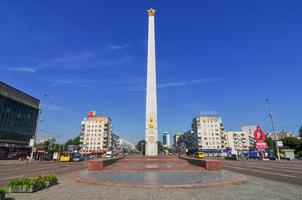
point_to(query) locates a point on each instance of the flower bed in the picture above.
(2, 194)
(32, 184)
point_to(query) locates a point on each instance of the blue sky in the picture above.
(222, 56)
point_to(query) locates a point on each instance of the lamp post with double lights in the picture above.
(274, 128)
(45, 98)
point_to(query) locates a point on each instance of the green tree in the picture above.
(141, 146)
(160, 147)
(300, 132)
(76, 140)
(270, 143)
(291, 143)
(45, 145)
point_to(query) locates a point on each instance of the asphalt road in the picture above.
(8, 172)
(284, 171)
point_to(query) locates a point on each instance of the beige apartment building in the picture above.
(236, 140)
(249, 134)
(206, 133)
(96, 134)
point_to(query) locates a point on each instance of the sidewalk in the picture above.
(253, 189)
(19, 162)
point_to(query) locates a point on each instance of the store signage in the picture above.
(31, 142)
(279, 143)
(91, 114)
(260, 138)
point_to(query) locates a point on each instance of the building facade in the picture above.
(114, 141)
(126, 145)
(208, 131)
(19, 114)
(282, 134)
(236, 140)
(166, 139)
(96, 134)
(176, 141)
(249, 130)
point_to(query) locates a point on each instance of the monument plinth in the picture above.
(151, 98)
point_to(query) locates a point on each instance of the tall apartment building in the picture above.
(207, 132)
(188, 139)
(166, 139)
(249, 130)
(236, 140)
(114, 141)
(126, 145)
(176, 141)
(96, 133)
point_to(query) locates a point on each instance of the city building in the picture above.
(236, 140)
(176, 141)
(126, 145)
(166, 139)
(208, 131)
(96, 134)
(115, 141)
(18, 121)
(250, 138)
(188, 139)
(206, 134)
(51, 140)
(282, 134)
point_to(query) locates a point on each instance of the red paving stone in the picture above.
(153, 164)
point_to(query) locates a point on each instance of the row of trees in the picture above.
(289, 143)
(47, 146)
(141, 145)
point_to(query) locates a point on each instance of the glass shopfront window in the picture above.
(17, 121)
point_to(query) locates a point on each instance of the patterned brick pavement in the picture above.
(253, 189)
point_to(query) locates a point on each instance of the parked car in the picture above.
(199, 155)
(65, 157)
(76, 157)
(232, 157)
(109, 154)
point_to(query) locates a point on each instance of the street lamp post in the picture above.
(37, 127)
(274, 129)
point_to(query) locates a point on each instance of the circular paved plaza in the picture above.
(156, 173)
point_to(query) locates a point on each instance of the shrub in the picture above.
(41, 179)
(299, 154)
(2, 190)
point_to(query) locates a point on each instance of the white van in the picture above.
(109, 154)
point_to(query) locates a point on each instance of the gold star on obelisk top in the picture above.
(151, 12)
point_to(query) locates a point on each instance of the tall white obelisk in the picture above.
(151, 99)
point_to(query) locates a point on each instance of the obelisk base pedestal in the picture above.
(151, 149)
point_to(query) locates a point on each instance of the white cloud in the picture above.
(175, 84)
(23, 69)
(118, 47)
(52, 107)
(104, 57)
(74, 82)
(185, 83)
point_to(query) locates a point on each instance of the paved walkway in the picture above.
(253, 189)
